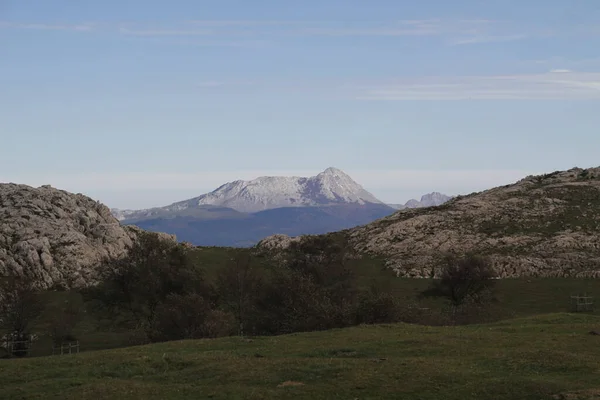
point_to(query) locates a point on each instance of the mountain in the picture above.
(57, 238)
(330, 187)
(428, 200)
(241, 213)
(547, 225)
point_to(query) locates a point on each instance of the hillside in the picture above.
(57, 238)
(545, 225)
(546, 357)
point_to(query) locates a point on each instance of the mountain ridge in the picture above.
(319, 190)
(427, 200)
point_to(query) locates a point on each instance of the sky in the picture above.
(143, 103)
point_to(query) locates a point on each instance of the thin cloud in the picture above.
(165, 32)
(215, 84)
(426, 27)
(546, 86)
(48, 27)
(219, 23)
(487, 39)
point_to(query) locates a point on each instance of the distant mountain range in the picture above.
(241, 213)
(428, 200)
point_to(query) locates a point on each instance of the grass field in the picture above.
(551, 356)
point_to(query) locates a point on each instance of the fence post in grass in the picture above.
(582, 303)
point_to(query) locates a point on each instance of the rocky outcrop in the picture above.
(277, 242)
(53, 237)
(545, 225)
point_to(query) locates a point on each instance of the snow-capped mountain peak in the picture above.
(332, 186)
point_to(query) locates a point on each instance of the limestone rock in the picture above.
(53, 237)
(546, 225)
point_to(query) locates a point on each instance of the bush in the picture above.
(376, 307)
(466, 282)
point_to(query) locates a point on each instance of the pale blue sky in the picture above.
(142, 103)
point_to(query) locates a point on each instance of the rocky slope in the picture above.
(53, 237)
(545, 225)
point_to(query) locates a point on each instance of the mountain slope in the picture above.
(545, 225)
(330, 187)
(54, 237)
(245, 232)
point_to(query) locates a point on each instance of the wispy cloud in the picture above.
(48, 27)
(554, 85)
(242, 23)
(487, 39)
(458, 31)
(215, 84)
(165, 32)
(451, 32)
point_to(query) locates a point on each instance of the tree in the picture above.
(323, 262)
(180, 316)
(65, 318)
(467, 279)
(239, 285)
(153, 271)
(19, 307)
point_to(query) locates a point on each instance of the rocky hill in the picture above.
(546, 225)
(53, 237)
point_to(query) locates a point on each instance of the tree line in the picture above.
(160, 292)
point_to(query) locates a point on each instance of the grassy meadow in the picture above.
(551, 356)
